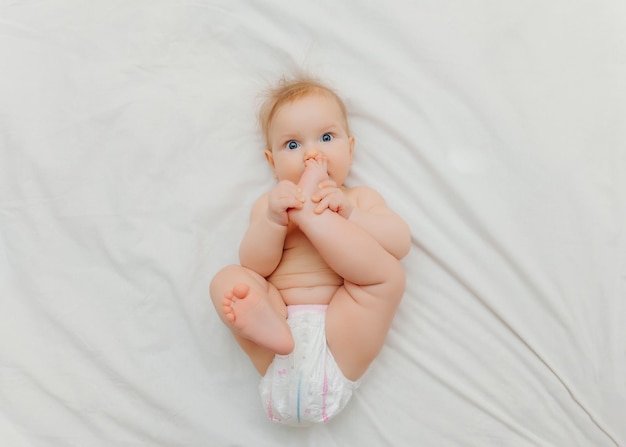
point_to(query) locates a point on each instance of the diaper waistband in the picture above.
(296, 308)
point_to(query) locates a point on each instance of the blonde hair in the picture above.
(289, 90)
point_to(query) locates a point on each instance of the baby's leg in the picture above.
(254, 311)
(358, 320)
(360, 313)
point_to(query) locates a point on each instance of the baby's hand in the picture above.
(282, 197)
(331, 197)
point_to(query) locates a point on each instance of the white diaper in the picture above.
(305, 386)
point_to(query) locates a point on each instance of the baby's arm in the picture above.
(262, 246)
(372, 214)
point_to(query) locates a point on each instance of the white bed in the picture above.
(130, 157)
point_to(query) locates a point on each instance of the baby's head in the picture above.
(289, 90)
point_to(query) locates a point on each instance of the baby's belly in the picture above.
(302, 276)
(307, 288)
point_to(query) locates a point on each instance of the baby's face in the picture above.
(309, 126)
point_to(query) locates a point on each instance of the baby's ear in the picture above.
(351, 140)
(269, 156)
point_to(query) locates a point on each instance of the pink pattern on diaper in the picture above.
(324, 392)
(270, 413)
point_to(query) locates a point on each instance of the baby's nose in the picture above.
(310, 153)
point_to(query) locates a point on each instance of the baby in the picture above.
(320, 278)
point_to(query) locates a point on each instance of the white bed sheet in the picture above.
(129, 158)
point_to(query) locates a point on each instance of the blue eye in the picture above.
(292, 145)
(327, 137)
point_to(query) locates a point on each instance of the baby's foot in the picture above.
(254, 319)
(315, 171)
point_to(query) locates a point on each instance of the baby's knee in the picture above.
(229, 270)
(234, 274)
(396, 279)
(223, 275)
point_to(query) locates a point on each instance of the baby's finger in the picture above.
(334, 203)
(330, 202)
(290, 199)
(327, 183)
(322, 193)
(289, 204)
(321, 206)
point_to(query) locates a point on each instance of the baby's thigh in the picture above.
(356, 327)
